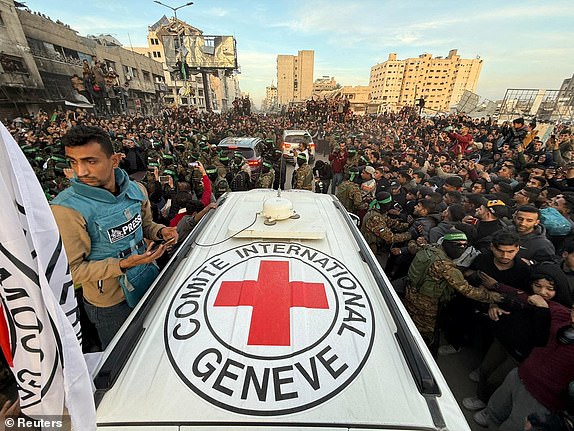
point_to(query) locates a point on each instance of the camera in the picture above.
(193, 164)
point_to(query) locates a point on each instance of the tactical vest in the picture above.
(114, 223)
(419, 279)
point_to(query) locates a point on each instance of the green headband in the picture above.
(211, 171)
(377, 204)
(268, 165)
(455, 236)
(169, 172)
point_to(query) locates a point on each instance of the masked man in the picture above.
(434, 278)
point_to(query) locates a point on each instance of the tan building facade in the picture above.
(325, 83)
(270, 101)
(440, 81)
(295, 77)
(358, 96)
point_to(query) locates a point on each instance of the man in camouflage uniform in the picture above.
(353, 159)
(349, 192)
(154, 154)
(377, 225)
(303, 176)
(280, 168)
(267, 177)
(433, 279)
(239, 178)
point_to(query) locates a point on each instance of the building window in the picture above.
(152, 41)
(157, 54)
(154, 54)
(13, 64)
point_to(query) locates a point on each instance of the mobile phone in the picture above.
(164, 179)
(194, 164)
(156, 244)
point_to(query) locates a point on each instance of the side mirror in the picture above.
(355, 219)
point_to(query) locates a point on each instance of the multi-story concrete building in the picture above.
(358, 96)
(40, 56)
(325, 83)
(270, 101)
(295, 77)
(439, 81)
(188, 90)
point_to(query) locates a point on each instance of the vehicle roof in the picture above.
(155, 386)
(243, 141)
(296, 132)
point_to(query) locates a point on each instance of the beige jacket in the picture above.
(77, 243)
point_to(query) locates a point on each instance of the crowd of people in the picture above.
(474, 221)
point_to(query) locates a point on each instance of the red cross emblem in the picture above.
(272, 295)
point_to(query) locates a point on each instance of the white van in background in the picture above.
(274, 314)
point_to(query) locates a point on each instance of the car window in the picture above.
(248, 153)
(297, 139)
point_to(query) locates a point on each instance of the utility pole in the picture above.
(180, 40)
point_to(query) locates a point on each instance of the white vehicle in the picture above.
(273, 315)
(292, 140)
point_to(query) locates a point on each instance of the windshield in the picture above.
(248, 153)
(297, 139)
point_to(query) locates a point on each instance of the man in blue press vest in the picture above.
(104, 219)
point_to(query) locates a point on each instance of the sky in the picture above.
(523, 44)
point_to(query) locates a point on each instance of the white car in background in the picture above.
(291, 142)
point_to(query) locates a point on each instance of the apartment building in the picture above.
(440, 81)
(295, 77)
(270, 101)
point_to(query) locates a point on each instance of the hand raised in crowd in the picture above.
(485, 175)
(395, 251)
(201, 168)
(421, 240)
